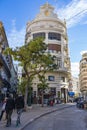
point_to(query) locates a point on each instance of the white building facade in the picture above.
(76, 87)
(48, 25)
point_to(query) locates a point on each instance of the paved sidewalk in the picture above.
(32, 114)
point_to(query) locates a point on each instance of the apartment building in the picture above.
(83, 74)
(47, 24)
(6, 65)
(76, 88)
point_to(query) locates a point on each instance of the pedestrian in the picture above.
(55, 101)
(51, 103)
(19, 105)
(10, 105)
(3, 108)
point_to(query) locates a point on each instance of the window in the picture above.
(51, 78)
(54, 36)
(54, 47)
(59, 63)
(53, 91)
(63, 79)
(42, 34)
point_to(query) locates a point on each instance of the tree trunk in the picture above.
(26, 87)
(25, 97)
(42, 99)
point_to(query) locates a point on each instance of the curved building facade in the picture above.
(48, 25)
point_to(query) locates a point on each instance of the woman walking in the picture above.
(3, 108)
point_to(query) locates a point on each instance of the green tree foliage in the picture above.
(21, 85)
(34, 60)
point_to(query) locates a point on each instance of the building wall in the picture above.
(83, 74)
(76, 87)
(6, 64)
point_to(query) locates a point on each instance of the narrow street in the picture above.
(67, 119)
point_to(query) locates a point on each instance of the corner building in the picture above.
(48, 25)
(83, 75)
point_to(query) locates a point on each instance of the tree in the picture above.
(34, 60)
(43, 85)
(21, 85)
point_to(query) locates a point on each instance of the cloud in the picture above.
(82, 52)
(16, 37)
(85, 22)
(73, 12)
(75, 69)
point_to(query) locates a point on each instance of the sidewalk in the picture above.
(32, 114)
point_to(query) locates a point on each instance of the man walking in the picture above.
(10, 105)
(19, 105)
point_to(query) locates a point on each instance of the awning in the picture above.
(71, 93)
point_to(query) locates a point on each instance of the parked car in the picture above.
(77, 99)
(80, 103)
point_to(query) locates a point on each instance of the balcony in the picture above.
(54, 41)
(63, 70)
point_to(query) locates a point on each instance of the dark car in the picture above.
(80, 103)
(77, 99)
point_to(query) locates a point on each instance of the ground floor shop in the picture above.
(50, 93)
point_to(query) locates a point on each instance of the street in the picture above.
(66, 119)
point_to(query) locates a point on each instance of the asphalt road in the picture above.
(67, 119)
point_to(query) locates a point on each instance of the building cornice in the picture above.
(47, 20)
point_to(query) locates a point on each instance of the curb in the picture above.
(43, 114)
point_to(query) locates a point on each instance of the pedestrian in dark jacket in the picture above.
(3, 108)
(19, 105)
(10, 105)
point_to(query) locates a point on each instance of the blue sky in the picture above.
(16, 13)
